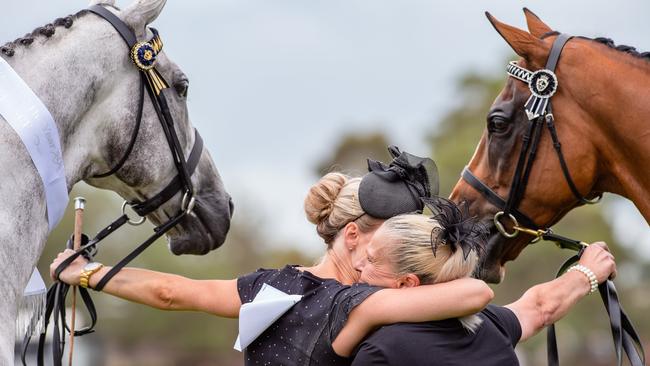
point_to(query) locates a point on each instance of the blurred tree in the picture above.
(351, 153)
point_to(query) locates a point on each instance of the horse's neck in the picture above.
(65, 86)
(67, 95)
(72, 73)
(625, 127)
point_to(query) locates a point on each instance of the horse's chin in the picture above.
(203, 230)
(491, 267)
(490, 273)
(186, 244)
(499, 251)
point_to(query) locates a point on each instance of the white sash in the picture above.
(31, 120)
(33, 123)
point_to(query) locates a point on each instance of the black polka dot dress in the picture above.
(304, 334)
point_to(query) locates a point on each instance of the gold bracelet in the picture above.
(88, 270)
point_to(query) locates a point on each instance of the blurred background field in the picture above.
(284, 92)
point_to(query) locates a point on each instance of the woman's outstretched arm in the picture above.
(416, 304)
(159, 290)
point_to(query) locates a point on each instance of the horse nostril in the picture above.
(231, 206)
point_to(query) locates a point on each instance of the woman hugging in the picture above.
(387, 269)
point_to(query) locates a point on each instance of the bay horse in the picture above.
(80, 68)
(600, 108)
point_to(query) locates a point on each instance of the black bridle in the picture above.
(143, 55)
(543, 85)
(156, 88)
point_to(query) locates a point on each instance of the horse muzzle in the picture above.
(205, 228)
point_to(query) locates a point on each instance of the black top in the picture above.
(304, 334)
(445, 342)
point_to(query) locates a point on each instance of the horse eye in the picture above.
(181, 87)
(498, 124)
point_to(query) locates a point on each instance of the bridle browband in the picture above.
(543, 84)
(143, 55)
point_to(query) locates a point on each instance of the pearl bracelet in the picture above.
(593, 282)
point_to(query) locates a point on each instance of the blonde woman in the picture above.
(318, 330)
(413, 250)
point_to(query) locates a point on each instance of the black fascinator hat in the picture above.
(397, 188)
(458, 229)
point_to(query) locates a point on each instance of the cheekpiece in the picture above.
(542, 84)
(144, 54)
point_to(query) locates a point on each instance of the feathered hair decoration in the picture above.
(457, 228)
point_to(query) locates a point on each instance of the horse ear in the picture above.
(141, 13)
(535, 25)
(523, 43)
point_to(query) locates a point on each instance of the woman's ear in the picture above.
(351, 235)
(410, 280)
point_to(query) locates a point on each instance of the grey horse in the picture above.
(80, 68)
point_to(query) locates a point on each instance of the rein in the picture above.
(543, 84)
(626, 339)
(143, 55)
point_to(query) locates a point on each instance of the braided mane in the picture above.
(632, 51)
(48, 30)
(622, 48)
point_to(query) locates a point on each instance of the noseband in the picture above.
(543, 84)
(143, 55)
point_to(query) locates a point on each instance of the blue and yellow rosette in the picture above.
(144, 56)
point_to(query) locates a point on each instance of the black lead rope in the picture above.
(626, 339)
(55, 308)
(56, 295)
(55, 304)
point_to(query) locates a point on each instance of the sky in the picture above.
(275, 83)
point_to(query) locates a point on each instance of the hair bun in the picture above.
(319, 202)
